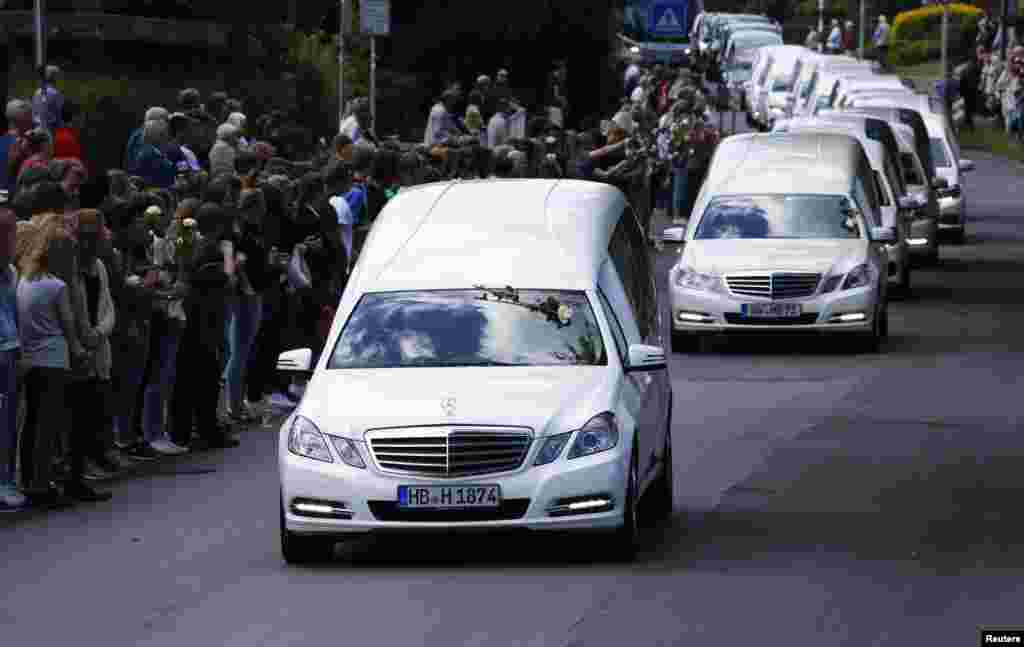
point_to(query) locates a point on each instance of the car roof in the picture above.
(814, 162)
(854, 126)
(531, 233)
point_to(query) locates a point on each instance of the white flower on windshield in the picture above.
(564, 313)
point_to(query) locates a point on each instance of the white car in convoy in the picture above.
(897, 204)
(774, 69)
(949, 167)
(781, 239)
(496, 362)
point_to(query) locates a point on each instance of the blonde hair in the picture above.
(35, 261)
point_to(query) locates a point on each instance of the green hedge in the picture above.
(916, 36)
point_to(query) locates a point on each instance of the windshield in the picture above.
(779, 216)
(782, 85)
(739, 73)
(478, 327)
(939, 157)
(762, 39)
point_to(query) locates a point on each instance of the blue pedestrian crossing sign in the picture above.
(668, 19)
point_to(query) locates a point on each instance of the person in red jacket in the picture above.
(67, 141)
(849, 38)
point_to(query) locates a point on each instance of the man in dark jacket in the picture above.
(200, 356)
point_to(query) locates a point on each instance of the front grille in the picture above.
(509, 509)
(447, 452)
(805, 319)
(774, 286)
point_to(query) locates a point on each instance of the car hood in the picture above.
(747, 255)
(549, 400)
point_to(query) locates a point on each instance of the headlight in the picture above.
(552, 448)
(305, 440)
(691, 280)
(859, 277)
(831, 283)
(348, 450)
(600, 434)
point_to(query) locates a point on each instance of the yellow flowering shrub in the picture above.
(916, 35)
(926, 21)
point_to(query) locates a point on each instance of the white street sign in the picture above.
(376, 17)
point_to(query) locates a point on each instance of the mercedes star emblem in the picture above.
(448, 406)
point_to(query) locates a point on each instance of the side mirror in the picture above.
(911, 202)
(676, 235)
(966, 165)
(296, 361)
(940, 183)
(885, 235)
(644, 358)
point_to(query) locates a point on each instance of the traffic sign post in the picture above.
(375, 21)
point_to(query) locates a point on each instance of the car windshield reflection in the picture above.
(779, 216)
(478, 327)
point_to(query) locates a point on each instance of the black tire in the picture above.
(958, 237)
(304, 549)
(871, 343)
(624, 541)
(661, 496)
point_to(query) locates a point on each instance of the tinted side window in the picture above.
(621, 253)
(894, 177)
(613, 322)
(881, 188)
(640, 287)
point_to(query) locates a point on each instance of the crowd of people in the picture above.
(146, 321)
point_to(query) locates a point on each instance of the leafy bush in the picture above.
(321, 52)
(926, 22)
(916, 35)
(912, 53)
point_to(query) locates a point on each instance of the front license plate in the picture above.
(772, 310)
(449, 496)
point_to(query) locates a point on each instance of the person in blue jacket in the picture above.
(151, 162)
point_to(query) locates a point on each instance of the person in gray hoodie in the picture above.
(224, 150)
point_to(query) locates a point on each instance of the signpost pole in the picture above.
(863, 29)
(40, 32)
(945, 41)
(373, 78)
(341, 64)
(821, 25)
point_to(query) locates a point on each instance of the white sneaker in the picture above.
(166, 448)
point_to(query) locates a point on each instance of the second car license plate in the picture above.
(449, 496)
(772, 310)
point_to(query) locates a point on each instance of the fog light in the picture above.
(321, 509)
(917, 242)
(581, 505)
(696, 317)
(850, 317)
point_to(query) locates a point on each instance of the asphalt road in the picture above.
(822, 498)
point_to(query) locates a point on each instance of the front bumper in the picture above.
(535, 488)
(721, 312)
